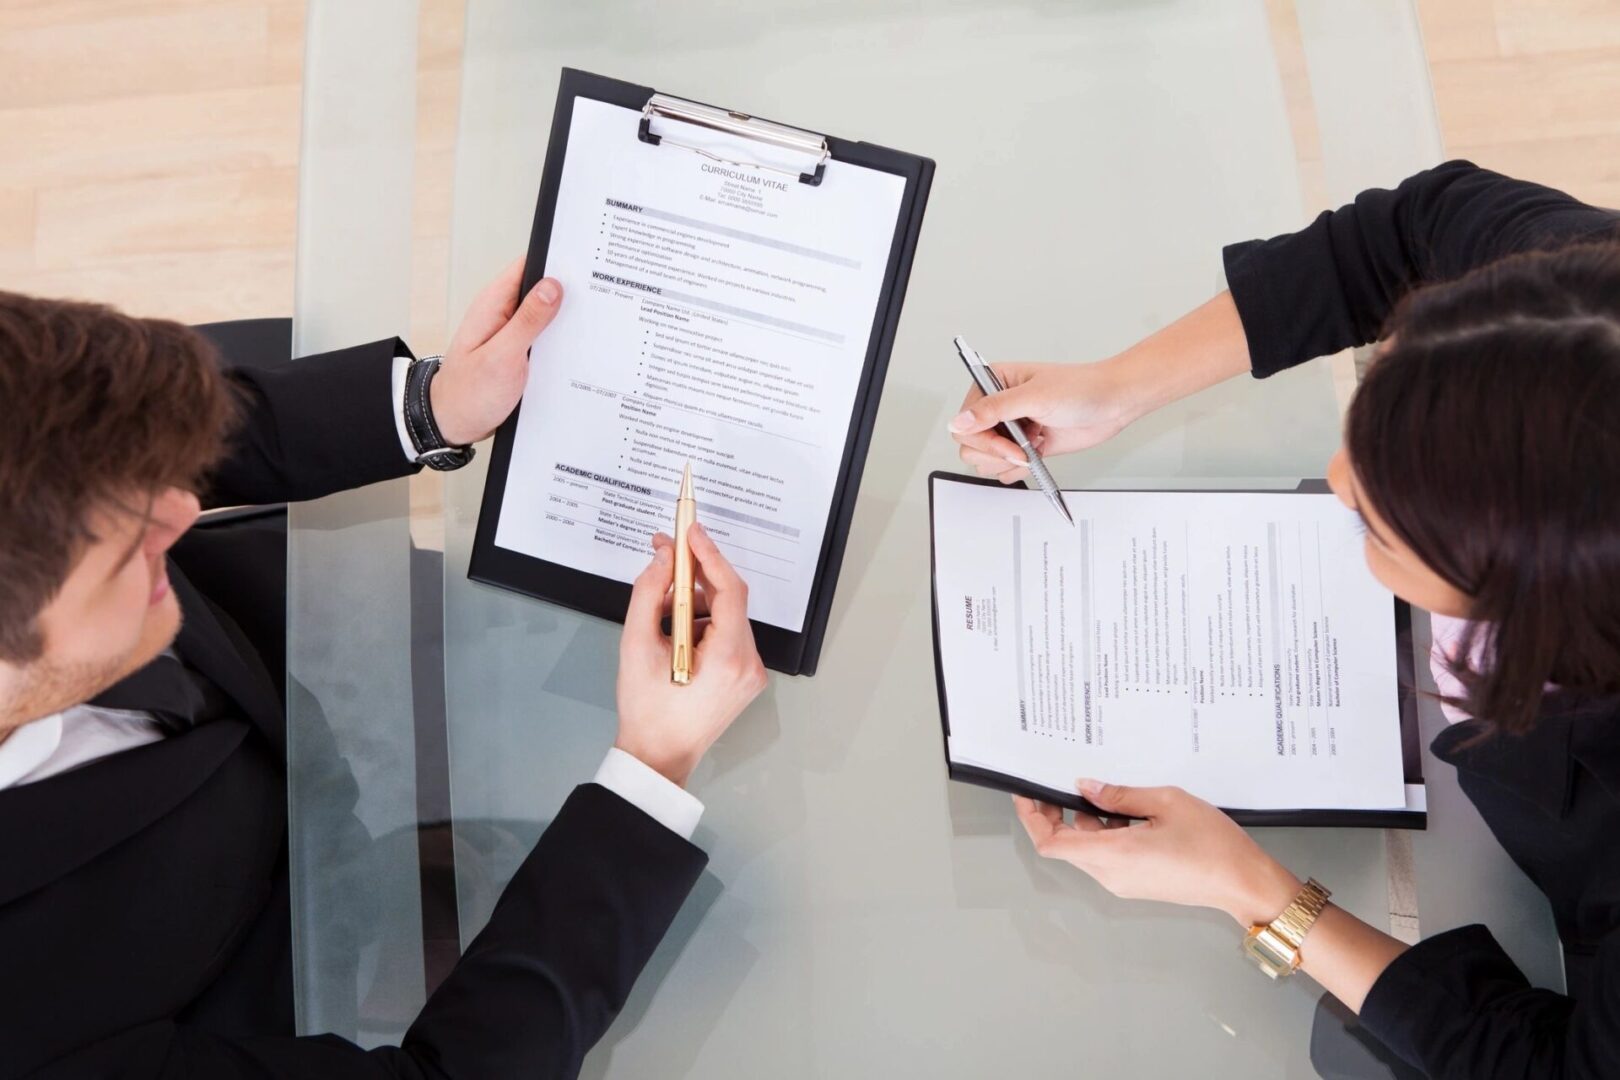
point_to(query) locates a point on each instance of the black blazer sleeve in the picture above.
(1332, 284)
(1456, 1007)
(533, 992)
(312, 426)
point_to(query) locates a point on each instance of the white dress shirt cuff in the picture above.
(402, 364)
(661, 799)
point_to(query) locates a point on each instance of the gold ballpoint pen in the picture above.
(680, 615)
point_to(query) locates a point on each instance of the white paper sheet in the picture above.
(714, 312)
(1233, 644)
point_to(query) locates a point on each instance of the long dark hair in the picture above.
(1487, 435)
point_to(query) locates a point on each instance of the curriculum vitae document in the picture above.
(715, 313)
(1234, 644)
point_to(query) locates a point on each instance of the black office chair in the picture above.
(259, 343)
(253, 343)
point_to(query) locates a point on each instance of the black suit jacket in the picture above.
(144, 928)
(1456, 1005)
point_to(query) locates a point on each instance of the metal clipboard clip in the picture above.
(739, 124)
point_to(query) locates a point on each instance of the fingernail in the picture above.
(1016, 459)
(548, 290)
(661, 557)
(697, 527)
(1088, 788)
(962, 421)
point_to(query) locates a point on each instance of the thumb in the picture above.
(987, 412)
(533, 315)
(1117, 798)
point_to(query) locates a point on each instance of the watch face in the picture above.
(1275, 957)
(448, 459)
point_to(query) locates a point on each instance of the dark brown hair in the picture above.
(96, 409)
(1488, 436)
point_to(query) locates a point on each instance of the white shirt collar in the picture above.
(28, 747)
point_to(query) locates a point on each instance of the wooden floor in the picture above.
(152, 147)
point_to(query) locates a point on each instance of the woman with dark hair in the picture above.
(1482, 451)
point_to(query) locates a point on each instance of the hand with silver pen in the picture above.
(990, 385)
(1064, 408)
(1069, 407)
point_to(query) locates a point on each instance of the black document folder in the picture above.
(1406, 704)
(793, 652)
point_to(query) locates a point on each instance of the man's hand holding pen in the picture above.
(666, 725)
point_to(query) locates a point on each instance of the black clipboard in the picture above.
(1405, 691)
(781, 649)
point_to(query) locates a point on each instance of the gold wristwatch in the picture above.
(1275, 945)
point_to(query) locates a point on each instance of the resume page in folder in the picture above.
(713, 312)
(1233, 644)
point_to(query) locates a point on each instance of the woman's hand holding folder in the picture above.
(1183, 850)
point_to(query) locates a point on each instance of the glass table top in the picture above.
(860, 915)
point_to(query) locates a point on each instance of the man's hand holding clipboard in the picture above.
(734, 289)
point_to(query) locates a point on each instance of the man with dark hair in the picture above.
(144, 913)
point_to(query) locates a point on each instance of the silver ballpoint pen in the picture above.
(987, 381)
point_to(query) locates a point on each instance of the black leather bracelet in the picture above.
(431, 448)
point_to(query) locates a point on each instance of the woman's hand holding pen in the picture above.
(667, 726)
(1069, 407)
(1184, 851)
(1064, 407)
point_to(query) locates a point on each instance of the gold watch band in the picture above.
(1298, 917)
(1275, 946)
